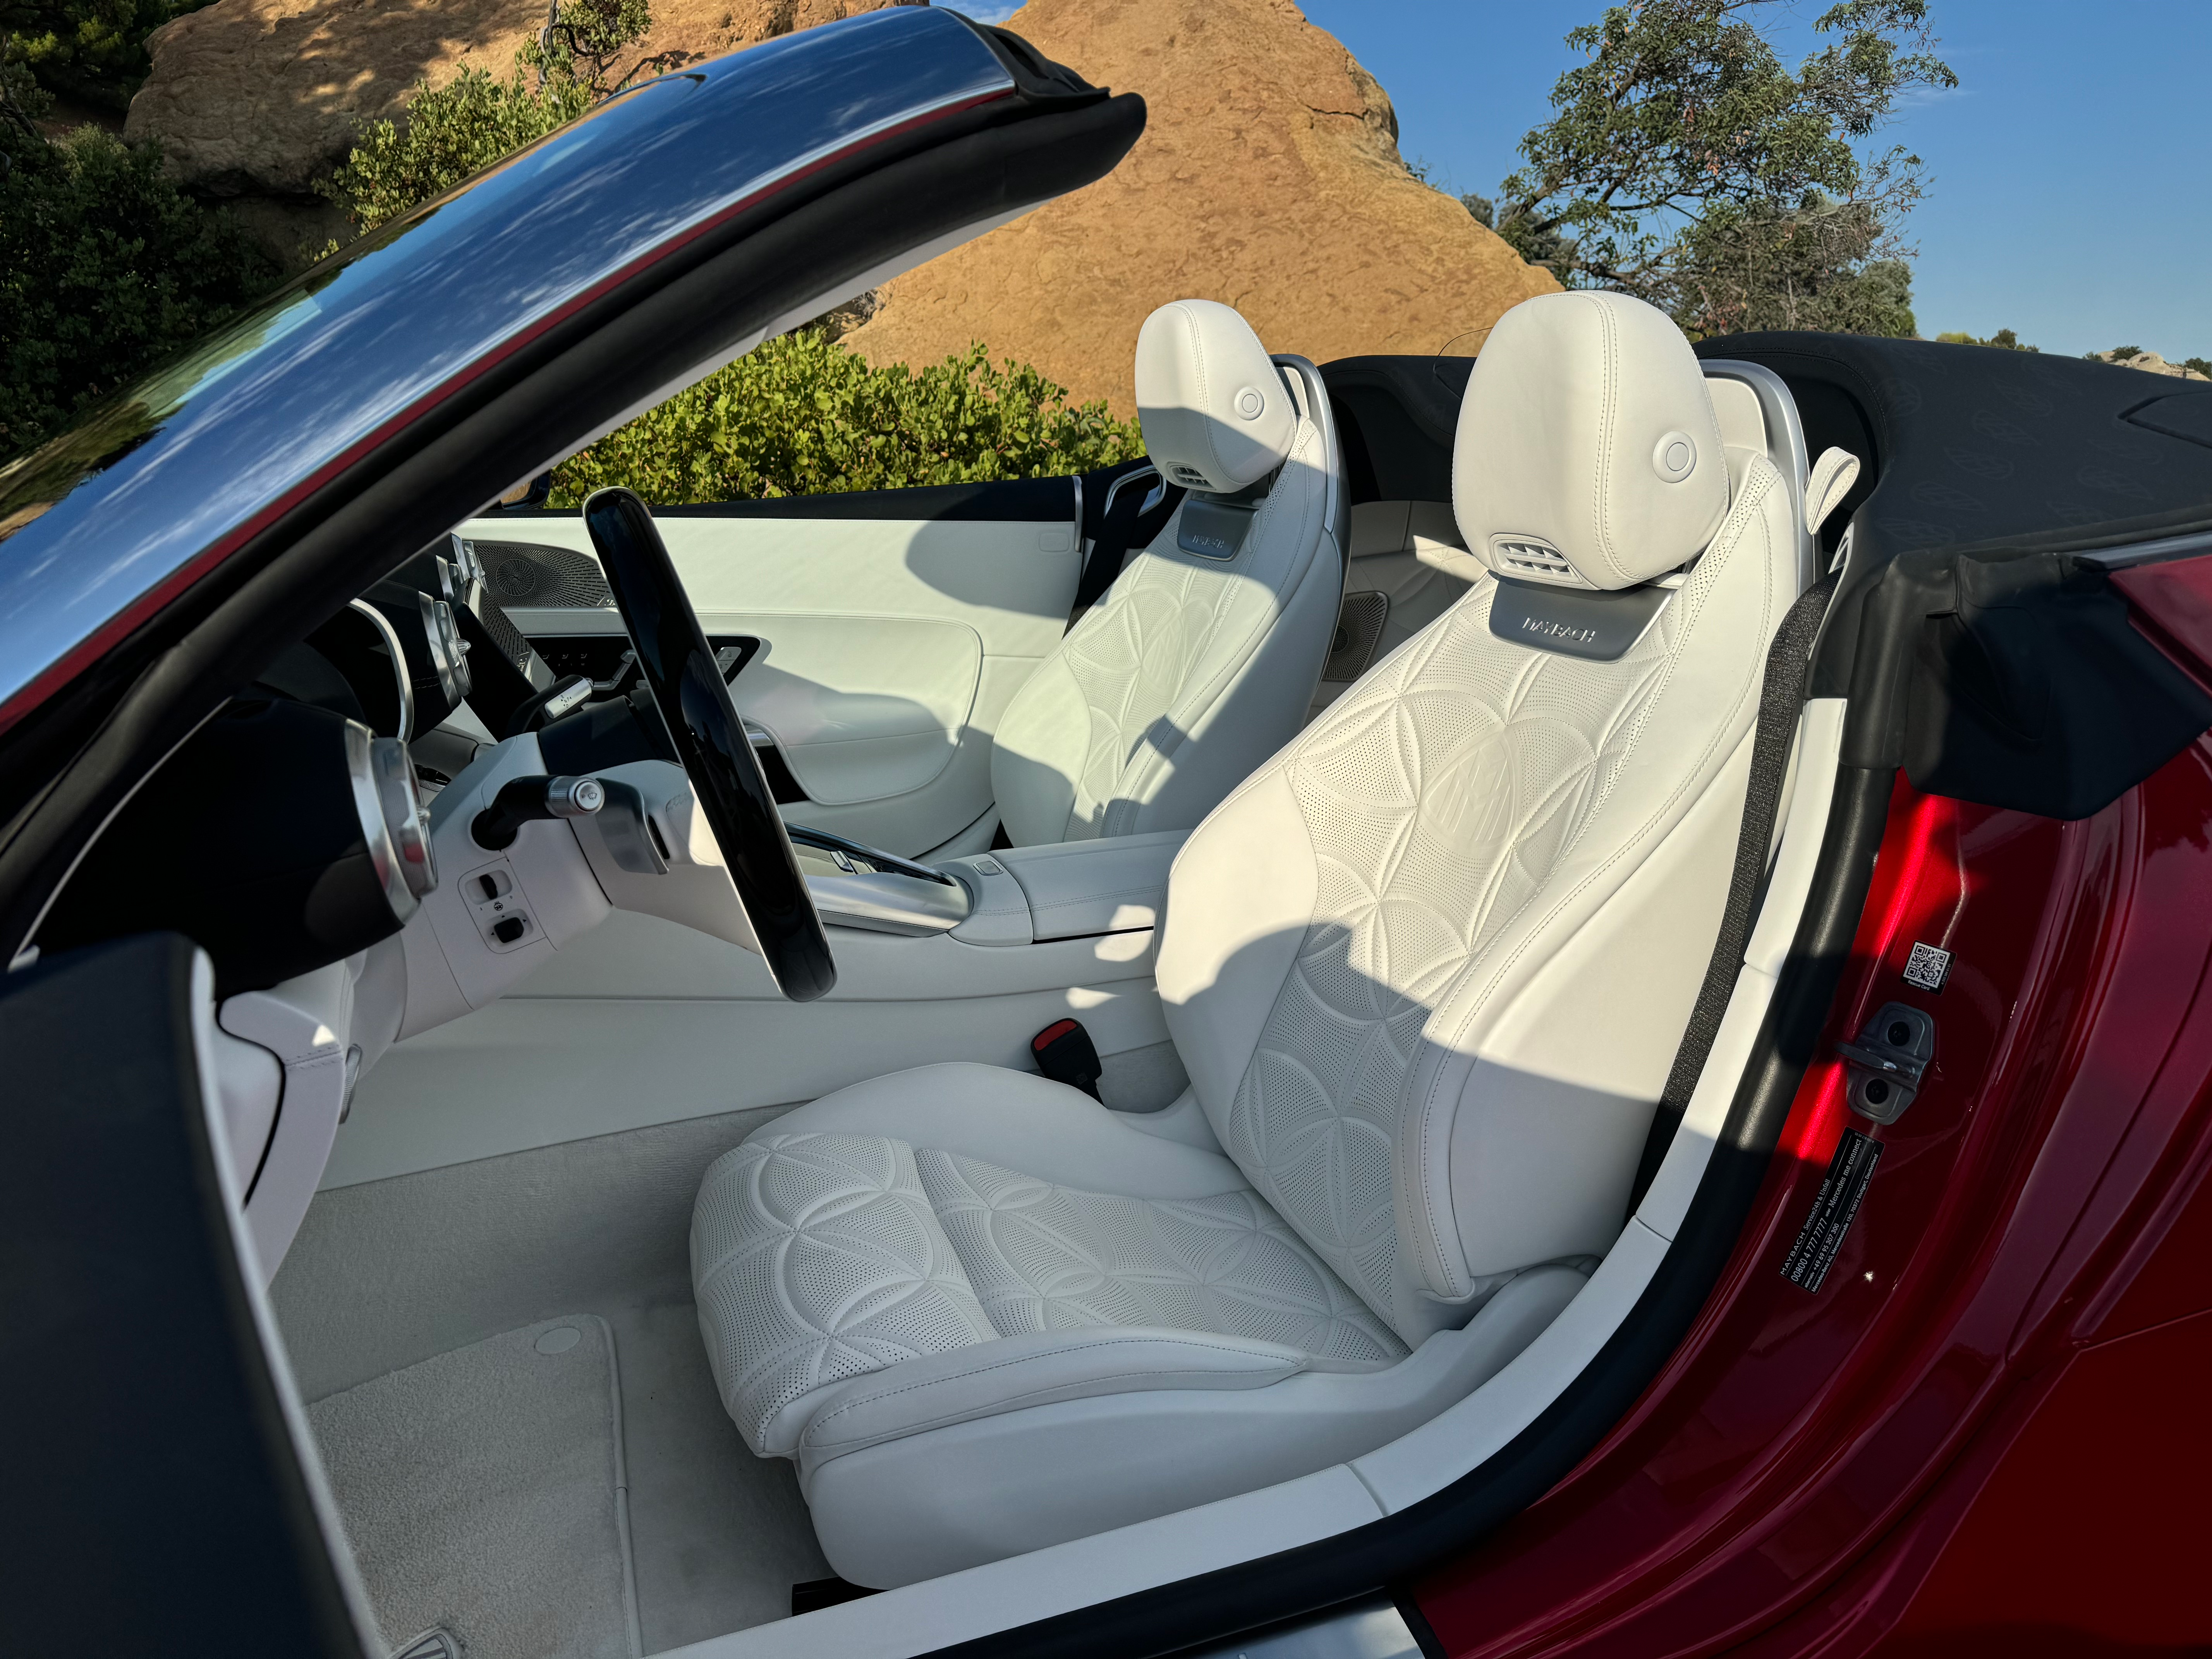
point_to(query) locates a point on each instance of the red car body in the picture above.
(1985, 1434)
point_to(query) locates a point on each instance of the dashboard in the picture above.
(404, 815)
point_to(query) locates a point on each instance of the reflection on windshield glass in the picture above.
(32, 484)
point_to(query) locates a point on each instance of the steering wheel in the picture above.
(710, 740)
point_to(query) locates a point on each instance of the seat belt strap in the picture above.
(1781, 699)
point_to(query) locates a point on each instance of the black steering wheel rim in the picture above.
(678, 667)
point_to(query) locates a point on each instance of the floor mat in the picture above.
(483, 1493)
(720, 1535)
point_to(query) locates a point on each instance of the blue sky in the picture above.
(2072, 193)
(2072, 170)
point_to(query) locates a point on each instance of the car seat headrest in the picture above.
(1587, 451)
(1216, 414)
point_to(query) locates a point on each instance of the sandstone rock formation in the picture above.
(262, 98)
(1268, 177)
(2150, 362)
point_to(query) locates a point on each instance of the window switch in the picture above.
(508, 929)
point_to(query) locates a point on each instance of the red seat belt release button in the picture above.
(1064, 1051)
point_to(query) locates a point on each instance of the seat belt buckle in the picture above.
(1064, 1051)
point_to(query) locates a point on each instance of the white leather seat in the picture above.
(1198, 663)
(1426, 969)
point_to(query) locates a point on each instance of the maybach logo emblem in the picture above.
(1558, 630)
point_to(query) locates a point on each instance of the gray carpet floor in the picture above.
(720, 1535)
(395, 1277)
(483, 1493)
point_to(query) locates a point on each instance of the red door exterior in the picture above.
(1984, 1431)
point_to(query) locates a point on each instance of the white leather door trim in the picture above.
(914, 634)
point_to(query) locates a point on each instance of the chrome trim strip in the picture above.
(375, 831)
(443, 636)
(1365, 1629)
(118, 515)
(2196, 545)
(1082, 553)
(406, 733)
(883, 902)
(1779, 407)
(404, 816)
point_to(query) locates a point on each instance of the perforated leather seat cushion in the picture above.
(821, 1256)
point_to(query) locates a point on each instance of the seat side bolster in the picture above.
(1036, 750)
(1037, 1369)
(1240, 898)
(1236, 727)
(1248, 677)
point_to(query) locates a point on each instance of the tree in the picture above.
(94, 50)
(1687, 166)
(105, 269)
(1813, 268)
(461, 128)
(2004, 339)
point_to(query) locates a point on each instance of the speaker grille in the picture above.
(1358, 631)
(552, 578)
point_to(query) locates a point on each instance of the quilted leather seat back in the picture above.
(1428, 967)
(1192, 670)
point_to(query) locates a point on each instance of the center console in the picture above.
(1019, 895)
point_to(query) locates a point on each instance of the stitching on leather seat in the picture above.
(1289, 1367)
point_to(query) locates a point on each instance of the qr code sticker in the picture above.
(1928, 967)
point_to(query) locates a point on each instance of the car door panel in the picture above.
(896, 627)
(863, 707)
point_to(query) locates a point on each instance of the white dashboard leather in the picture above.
(827, 593)
(1189, 671)
(863, 707)
(1426, 969)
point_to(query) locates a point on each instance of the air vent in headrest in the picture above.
(1588, 454)
(1216, 411)
(1533, 559)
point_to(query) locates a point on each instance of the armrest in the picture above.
(1071, 891)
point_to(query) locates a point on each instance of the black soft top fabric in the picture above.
(1982, 647)
(1971, 443)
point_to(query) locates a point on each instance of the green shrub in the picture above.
(803, 416)
(461, 128)
(451, 132)
(92, 50)
(105, 269)
(2004, 339)
(799, 415)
